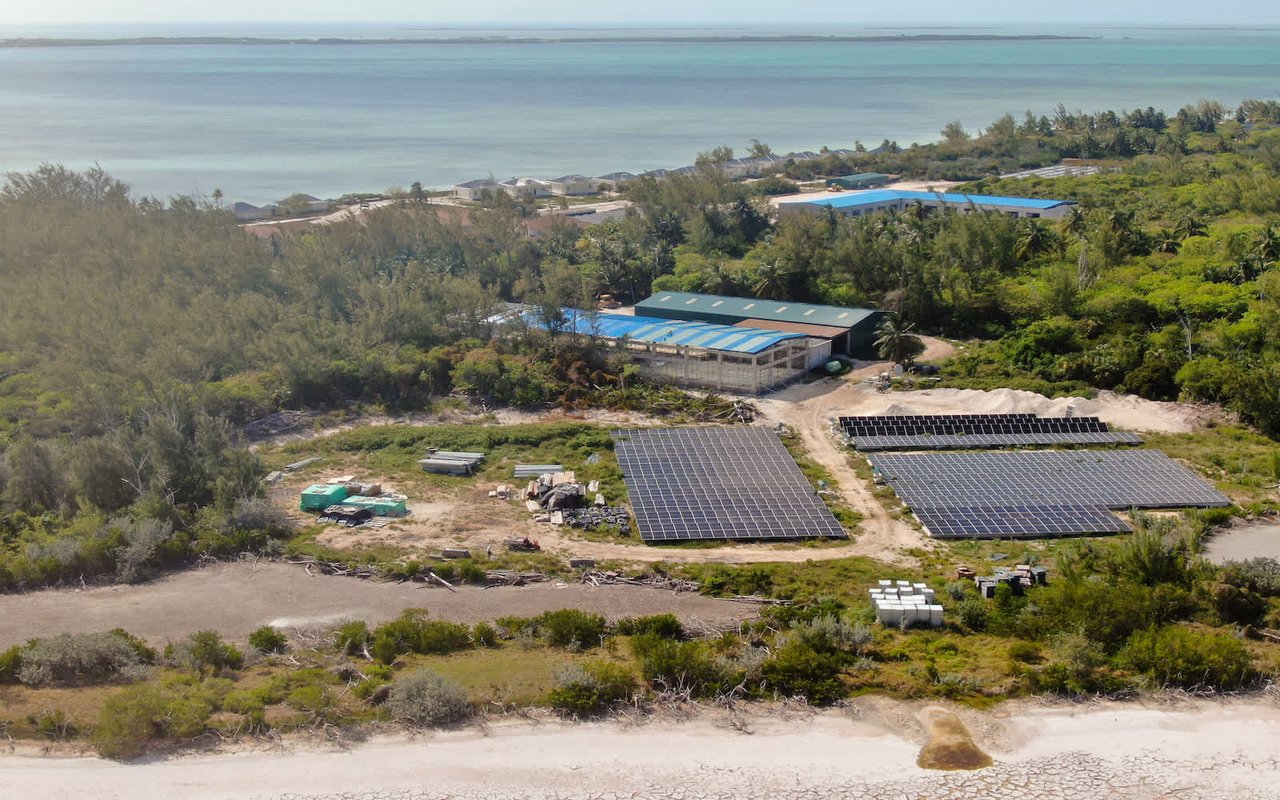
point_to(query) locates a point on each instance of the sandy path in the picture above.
(1099, 752)
(234, 599)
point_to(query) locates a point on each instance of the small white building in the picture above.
(573, 186)
(525, 187)
(474, 190)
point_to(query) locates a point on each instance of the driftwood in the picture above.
(441, 581)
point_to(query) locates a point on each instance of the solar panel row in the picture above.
(979, 441)
(690, 484)
(1042, 493)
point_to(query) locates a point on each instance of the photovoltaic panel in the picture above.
(1020, 521)
(689, 484)
(976, 431)
(1043, 493)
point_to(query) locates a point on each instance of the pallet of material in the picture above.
(446, 466)
(454, 455)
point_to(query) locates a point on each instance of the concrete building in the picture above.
(573, 186)
(720, 357)
(848, 331)
(474, 190)
(526, 187)
(879, 200)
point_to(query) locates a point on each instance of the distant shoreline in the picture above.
(796, 39)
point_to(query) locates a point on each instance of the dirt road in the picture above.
(235, 599)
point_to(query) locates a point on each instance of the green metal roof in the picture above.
(688, 303)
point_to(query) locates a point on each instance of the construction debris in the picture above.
(454, 552)
(582, 563)
(653, 581)
(1019, 579)
(502, 492)
(614, 516)
(522, 544)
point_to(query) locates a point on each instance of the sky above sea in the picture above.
(260, 122)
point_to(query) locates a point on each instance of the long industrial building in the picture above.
(876, 201)
(850, 331)
(721, 357)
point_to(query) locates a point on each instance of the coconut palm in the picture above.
(895, 342)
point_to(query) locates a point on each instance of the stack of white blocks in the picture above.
(899, 602)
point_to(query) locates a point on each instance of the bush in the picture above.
(572, 628)
(10, 664)
(78, 659)
(129, 721)
(1078, 668)
(1261, 575)
(412, 632)
(484, 635)
(315, 701)
(665, 626)
(1024, 652)
(352, 638)
(592, 688)
(1188, 658)
(268, 640)
(678, 666)
(973, 613)
(798, 670)
(426, 699)
(204, 651)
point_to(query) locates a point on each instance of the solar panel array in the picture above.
(690, 484)
(976, 431)
(1043, 493)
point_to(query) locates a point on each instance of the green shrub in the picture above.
(351, 638)
(317, 702)
(1261, 575)
(1188, 658)
(665, 626)
(484, 635)
(129, 721)
(584, 690)
(798, 670)
(53, 724)
(1079, 667)
(146, 653)
(11, 664)
(1024, 652)
(429, 700)
(569, 627)
(268, 640)
(678, 666)
(973, 613)
(204, 651)
(412, 632)
(471, 573)
(374, 677)
(75, 659)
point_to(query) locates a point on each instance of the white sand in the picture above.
(1200, 750)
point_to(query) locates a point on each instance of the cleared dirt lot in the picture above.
(234, 599)
(1245, 542)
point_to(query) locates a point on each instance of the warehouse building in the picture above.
(879, 200)
(725, 358)
(849, 331)
(862, 180)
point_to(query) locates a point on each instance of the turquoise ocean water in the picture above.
(263, 121)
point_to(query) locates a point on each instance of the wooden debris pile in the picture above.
(273, 425)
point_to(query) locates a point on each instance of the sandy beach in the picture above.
(1190, 749)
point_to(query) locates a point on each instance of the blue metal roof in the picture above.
(878, 196)
(729, 338)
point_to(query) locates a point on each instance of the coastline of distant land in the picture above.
(696, 39)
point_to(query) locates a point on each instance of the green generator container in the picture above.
(322, 495)
(381, 506)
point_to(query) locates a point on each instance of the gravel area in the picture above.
(1240, 544)
(235, 599)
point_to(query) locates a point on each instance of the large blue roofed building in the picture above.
(871, 202)
(849, 330)
(722, 357)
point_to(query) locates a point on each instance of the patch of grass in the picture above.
(512, 672)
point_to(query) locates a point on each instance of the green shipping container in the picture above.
(382, 506)
(322, 495)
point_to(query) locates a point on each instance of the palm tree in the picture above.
(895, 342)
(1166, 241)
(770, 282)
(1033, 240)
(1189, 226)
(1266, 245)
(1075, 223)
